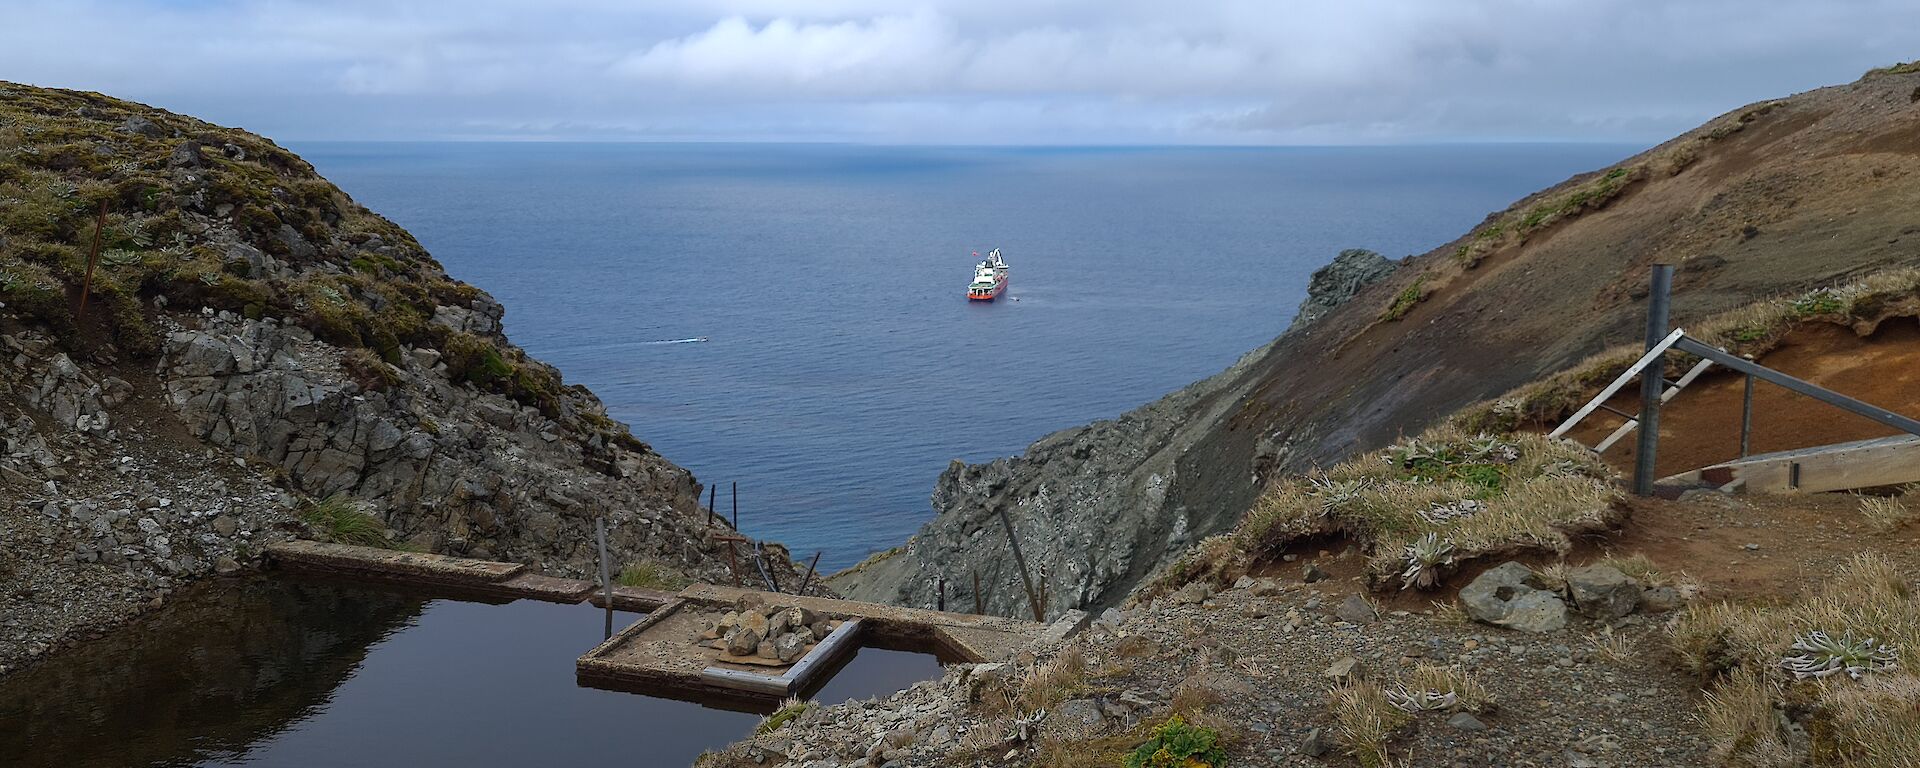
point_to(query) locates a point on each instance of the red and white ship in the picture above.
(989, 278)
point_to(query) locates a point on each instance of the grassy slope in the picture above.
(1773, 199)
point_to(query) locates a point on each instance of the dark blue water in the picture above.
(844, 367)
(285, 672)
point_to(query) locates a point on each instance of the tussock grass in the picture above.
(1868, 722)
(1364, 722)
(1469, 695)
(1449, 613)
(1752, 331)
(343, 520)
(1052, 681)
(1886, 514)
(650, 574)
(1610, 645)
(1475, 494)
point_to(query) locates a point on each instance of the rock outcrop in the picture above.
(254, 341)
(1337, 283)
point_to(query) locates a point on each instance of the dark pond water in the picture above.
(300, 673)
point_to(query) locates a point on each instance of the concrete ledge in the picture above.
(637, 599)
(462, 577)
(345, 558)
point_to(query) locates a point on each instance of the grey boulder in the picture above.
(1603, 592)
(1509, 595)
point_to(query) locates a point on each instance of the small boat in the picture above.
(989, 278)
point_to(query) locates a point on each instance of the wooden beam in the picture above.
(1839, 467)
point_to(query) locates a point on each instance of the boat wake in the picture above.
(694, 340)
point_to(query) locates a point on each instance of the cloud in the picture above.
(985, 71)
(884, 55)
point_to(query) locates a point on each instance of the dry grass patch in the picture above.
(1044, 684)
(1886, 514)
(1431, 688)
(1838, 664)
(652, 574)
(1365, 721)
(1421, 507)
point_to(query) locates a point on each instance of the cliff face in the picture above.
(1776, 197)
(252, 337)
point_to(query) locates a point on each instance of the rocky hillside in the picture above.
(251, 339)
(1776, 197)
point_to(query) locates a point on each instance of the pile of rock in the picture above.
(1514, 596)
(754, 632)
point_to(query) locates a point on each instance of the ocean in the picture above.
(792, 318)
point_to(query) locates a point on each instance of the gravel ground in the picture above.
(1591, 694)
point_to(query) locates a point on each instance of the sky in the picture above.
(955, 71)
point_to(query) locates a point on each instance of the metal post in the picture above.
(1033, 598)
(736, 506)
(979, 598)
(1652, 378)
(772, 575)
(809, 579)
(711, 490)
(1746, 419)
(606, 569)
(93, 257)
(941, 605)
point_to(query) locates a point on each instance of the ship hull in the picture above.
(990, 295)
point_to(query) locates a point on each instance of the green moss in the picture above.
(784, 715)
(1405, 301)
(1179, 744)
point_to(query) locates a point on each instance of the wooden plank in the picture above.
(1608, 393)
(1839, 467)
(639, 599)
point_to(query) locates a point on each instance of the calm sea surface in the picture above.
(842, 367)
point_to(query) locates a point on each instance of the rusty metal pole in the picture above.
(736, 506)
(1026, 580)
(93, 257)
(809, 579)
(711, 490)
(1652, 379)
(1746, 419)
(979, 600)
(606, 570)
(941, 603)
